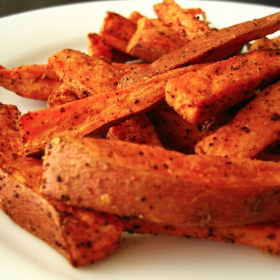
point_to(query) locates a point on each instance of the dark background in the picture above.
(9, 7)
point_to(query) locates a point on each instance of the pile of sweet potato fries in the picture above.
(167, 125)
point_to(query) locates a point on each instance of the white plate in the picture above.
(31, 38)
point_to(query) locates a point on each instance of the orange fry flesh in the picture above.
(254, 128)
(97, 47)
(185, 24)
(214, 45)
(174, 131)
(179, 156)
(151, 42)
(85, 74)
(201, 95)
(93, 114)
(117, 30)
(59, 225)
(137, 129)
(265, 43)
(30, 81)
(62, 95)
(265, 237)
(129, 179)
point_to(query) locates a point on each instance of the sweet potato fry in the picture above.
(30, 81)
(214, 45)
(177, 133)
(151, 42)
(137, 129)
(117, 30)
(94, 114)
(173, 131)
(254, 128)
(198, 12)
(185, 24)
(65, 93)
(265, 43)
(85, 74)
(98, 48)
(129, 179)
(128, 67)
(62, 95)
(10, 142)
(135, 16)
(80, 236)
(214, 88)
(265, 237)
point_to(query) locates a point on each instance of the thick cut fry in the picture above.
(128, 67)
(85, 74)
(265, 237)
(129, 179)
(178, 134)
(30, 81)
(254, 128)
(198, 12)
(173, 131)
(65, 94)
(265, 43)
(94, 114)
(137, 129)
(201, 95)
(10, 142)
(135, 16)
(117, 30)
(80, 236)
(214, 45)
(185, 24)
(62, 95)
(151, 42)
(98, 48)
